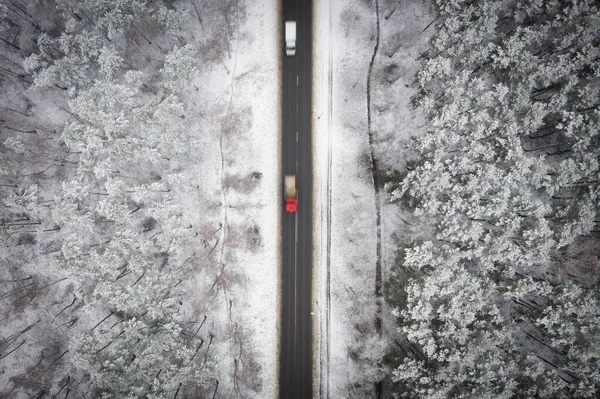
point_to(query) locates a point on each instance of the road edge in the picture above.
(321, 119)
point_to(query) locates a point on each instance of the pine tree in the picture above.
(509, 173)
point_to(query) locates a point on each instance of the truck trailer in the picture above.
(290, 192)
(290, 37)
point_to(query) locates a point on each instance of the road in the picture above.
(295, 368)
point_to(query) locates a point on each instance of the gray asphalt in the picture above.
(295, 369)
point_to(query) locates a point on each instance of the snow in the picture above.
(239, 129)
(346, 254)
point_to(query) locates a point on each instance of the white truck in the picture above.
(290, 37)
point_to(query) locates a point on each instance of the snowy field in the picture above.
(241, 104)
(350, 347)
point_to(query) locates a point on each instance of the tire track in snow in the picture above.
(329, 179)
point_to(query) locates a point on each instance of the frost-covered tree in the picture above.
(144, 346)
(508, 170)
(23, 200)
(143, 350)
(180, 63)
(65, 61)
(113, 226)
(169, 19)
(111, 17)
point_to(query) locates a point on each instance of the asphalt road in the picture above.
(295, 368)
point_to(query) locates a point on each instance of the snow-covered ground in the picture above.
(239, 102)
(345, 218)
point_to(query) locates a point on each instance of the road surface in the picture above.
(295, 371)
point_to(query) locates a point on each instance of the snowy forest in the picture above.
(502, 299)
(138, 161)
(118, 227)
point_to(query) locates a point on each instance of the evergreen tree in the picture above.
(509, 173)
